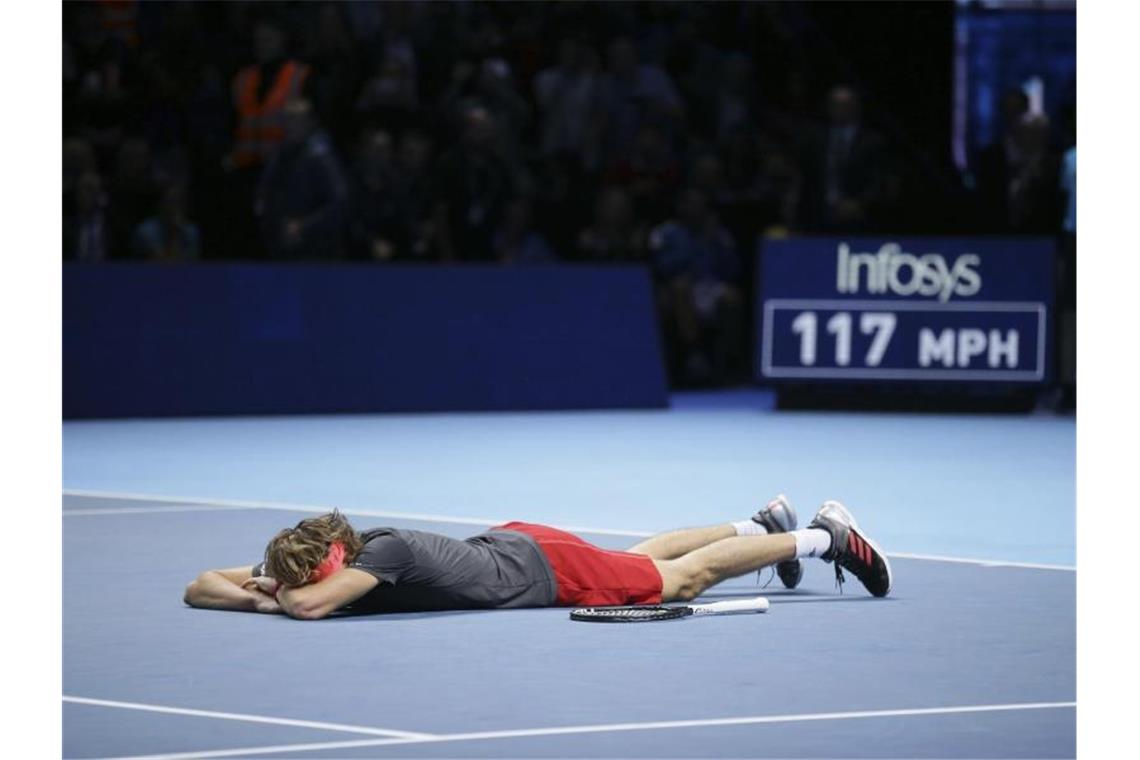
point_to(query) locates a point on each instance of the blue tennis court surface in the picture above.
(964, 659)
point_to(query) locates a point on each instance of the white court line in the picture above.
(149, 510)
(314, 508)
(387, 732)
(606, 728)
(983, 562)
(480, 521)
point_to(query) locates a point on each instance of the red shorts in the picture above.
(587, 575)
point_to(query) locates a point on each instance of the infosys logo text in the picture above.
(892, 270)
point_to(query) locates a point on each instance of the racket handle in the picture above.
(734, 607)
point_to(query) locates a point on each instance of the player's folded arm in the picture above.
(220, 589)
(317, 600)
(236, 575)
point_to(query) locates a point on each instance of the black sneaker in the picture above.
(851, 550)
(779, 517)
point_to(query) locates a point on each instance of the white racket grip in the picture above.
(734, 607)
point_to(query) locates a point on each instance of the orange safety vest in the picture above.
(260, 129)
(120, 19)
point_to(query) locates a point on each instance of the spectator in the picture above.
(776, 191)
(632, 95)
(568, 100)
(696, 266)
(996, 160)
(741, 160)
(390, 97)
(100, 78)
(472, 185)
(120, 20)
(495, 89)
(845, 177)
(260, 92)
(220, 198)
(459, 94)
(527, 48)
(651, 171)
(696, 64)
(168, 236)
(1033, 192)
(708, 176)
(482, 36)
(85, 233)
(488, 84)
(378, 219)
(133, 193)
(724, 99)
(414, 162)
(365, 20)
(741, 215)
(178, 45)
(335, 69)
(562, 198)
(734, 106)
(516, 240)
(170, 62)
(302, 197)
(78, 160)
(615, 234)
(397, 31)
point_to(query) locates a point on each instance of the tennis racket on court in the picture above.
(642, 613)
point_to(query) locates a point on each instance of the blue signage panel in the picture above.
(934, 309)
(148, 340)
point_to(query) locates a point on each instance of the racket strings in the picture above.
(628, 614)
(649, 612)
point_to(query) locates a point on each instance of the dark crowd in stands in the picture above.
(673, 134)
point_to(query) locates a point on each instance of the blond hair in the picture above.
(294, 553)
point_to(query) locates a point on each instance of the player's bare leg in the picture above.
(686, 577)
(777, 516)
(832, 536)
(676, 543)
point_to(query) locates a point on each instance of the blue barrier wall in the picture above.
(143, 340)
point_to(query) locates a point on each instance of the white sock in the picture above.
(811, 542)
(749, 528)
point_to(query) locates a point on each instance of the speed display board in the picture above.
(905, 309)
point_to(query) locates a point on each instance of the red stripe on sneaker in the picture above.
(859, 548)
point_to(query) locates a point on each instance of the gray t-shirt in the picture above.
(421, 571)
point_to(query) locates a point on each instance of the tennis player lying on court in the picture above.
(324, 565)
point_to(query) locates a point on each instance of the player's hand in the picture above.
(265, 603)
(262, 583)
